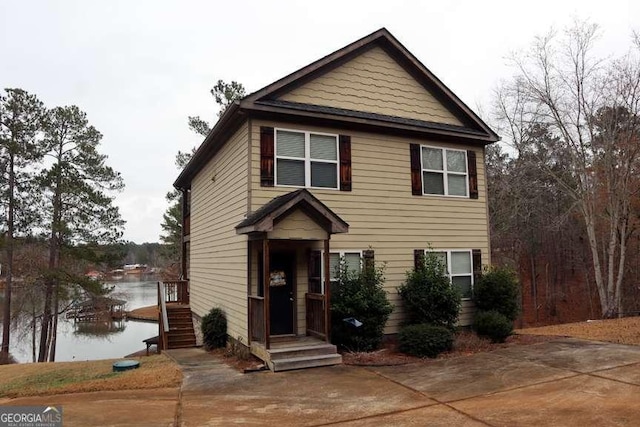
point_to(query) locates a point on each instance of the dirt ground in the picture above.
(619, 331)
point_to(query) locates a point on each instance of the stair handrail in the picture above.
(163, 312)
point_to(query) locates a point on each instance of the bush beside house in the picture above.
(496, 298)
(214, 329)
(359, 296)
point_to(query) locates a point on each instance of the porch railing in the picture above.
(176, 291)
(256, 319)
(315, 315)
(163, 321)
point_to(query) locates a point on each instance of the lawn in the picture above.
(37, 379)
(621, 331)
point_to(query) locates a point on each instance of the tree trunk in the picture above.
(6, 318)
(54, 329)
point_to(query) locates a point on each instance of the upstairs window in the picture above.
(444, 171)
(306, 159)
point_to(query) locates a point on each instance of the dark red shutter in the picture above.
(473, 174)
(368, 258)
(345, 163)
(416, 170)
(476, 258)
(418, 258)
(266, 156)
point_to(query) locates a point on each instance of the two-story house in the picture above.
(363, 154)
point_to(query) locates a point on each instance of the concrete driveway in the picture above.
(559, 383)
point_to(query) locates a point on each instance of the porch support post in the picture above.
(249, 314)
(267, 281)
(327, 291)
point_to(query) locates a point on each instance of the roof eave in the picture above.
(230, 120)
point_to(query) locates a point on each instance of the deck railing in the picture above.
(256, 319)
(315, 315)
(163, 321)
(176, 291)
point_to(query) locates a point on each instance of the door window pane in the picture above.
(323, 147)
(433, 183)
(290, 172)
(456, 161)
(457, 185)
(290, 144)
(324, 175)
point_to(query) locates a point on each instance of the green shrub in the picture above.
(498, 290)
(425, 340)
(359, 295)
(493, 324)
(428, 296)
(214, 329)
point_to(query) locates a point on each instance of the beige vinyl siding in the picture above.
(384, 215)
(373, 82)
(297, 226)
(218, 255)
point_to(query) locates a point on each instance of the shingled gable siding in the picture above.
(218, 255)
(382, 212)
(376, 83)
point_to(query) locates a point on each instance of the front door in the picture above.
(282, 292)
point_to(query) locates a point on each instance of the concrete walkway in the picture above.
(561, 383)
(565, 382)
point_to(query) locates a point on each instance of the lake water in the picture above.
(100, 340)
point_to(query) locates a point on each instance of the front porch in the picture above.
(288, 286)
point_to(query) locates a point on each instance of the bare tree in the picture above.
(590, 105)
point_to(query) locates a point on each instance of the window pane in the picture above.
(323, 147)
(442, 257)
(290, 144)
(464, 284)
(456, 161)
(324, 175)
(334, 265)
(432, 158)
(460, 263)
(352, 260)
(433, 183)
(290, 172)
(457, 185)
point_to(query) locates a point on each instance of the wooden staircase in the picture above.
(181, 333)
(297, 353)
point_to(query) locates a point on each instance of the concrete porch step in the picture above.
(305, 362)
(302, 351)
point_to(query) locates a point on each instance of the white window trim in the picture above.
(449, 274)
(341, 252)
(307, 158)
(445, 172)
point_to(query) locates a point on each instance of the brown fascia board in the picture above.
(232, 118)
(393, 47)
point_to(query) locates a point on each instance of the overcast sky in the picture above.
(139, 68)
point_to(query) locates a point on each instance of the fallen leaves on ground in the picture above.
(37, 379)
(620, 331)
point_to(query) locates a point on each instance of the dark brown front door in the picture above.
(282, 292)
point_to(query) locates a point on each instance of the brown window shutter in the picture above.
(476, 259)
(315, 271)
(368, 258)
(416, 170)
(345, 163)
(266, 156)
(418, 258)
(473, 174)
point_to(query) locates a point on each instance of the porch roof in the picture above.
(279, 207)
